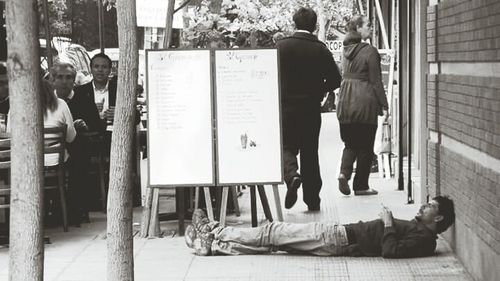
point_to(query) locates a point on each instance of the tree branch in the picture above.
(182, 6)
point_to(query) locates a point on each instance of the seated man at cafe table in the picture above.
(102, 91)
(86, 119)
(387, 237)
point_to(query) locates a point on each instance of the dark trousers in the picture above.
(301, 134)
(78, 183)
(358, 146)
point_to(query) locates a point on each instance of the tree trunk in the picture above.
(120, 259)
(167, 40)
(323, 27)
(322, 20)
(26, 216)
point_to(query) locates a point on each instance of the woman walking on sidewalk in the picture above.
(361, 99)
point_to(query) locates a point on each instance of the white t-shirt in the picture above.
(60, 116)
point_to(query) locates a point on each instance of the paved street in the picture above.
(80, 253)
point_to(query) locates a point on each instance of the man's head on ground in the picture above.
(100, 66)
(63, 78)
(4, 82)
(438, 214)
(305, 19)
(359, 26)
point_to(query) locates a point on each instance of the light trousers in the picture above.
(320, 239)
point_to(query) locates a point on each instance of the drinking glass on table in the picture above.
(99, 106)
(109, 114)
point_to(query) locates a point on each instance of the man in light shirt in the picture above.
(86, 119)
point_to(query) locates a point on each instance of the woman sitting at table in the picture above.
(55, 114)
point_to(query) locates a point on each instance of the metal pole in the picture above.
(382, 25)
(401, 179)
(409, 22)
(167, 39)
(48, 35)
(100, 14)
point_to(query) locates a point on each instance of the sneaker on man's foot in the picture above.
(202, 245)
(344, 185)
(190, 235)
(291, 193)
(199, 219)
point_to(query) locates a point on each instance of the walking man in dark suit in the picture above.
(308, 72)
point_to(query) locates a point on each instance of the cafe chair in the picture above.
(5, 183)
(55, 176)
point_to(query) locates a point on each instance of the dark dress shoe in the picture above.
(314, 208)
(366, 192)
(291, 193)
(344, 185)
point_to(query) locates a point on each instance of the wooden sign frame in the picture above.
(277, 176)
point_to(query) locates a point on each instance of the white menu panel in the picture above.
(248, 116)
(180, 118)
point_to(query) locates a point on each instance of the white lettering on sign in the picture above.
(334, 45)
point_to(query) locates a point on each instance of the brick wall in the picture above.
(468, 30)
(466, 109)
(474, 187)
(469, 111)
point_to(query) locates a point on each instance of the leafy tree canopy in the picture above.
(260, 18)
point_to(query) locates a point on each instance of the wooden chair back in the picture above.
(5, 185)
(55, 142)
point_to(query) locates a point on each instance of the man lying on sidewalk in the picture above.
(386, 237)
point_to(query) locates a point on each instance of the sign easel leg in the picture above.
(223, 207)
(154, 223)
(265, 203)
(146, 213)
(208, 202)
(277, 202)
(253, 204)
(234, 195)
(180, 206)
(196, 196)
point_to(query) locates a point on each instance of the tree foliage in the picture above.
(260, 17)
(78, 19)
